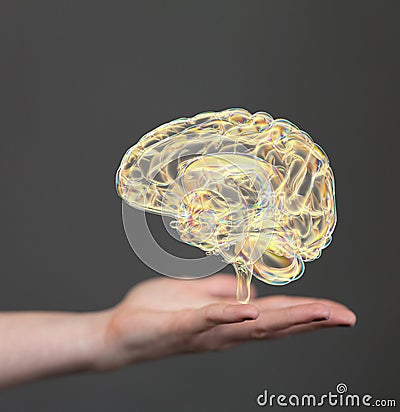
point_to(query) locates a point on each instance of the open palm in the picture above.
(164, 316)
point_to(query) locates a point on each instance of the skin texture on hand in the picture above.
(162, 317)
(157, 318)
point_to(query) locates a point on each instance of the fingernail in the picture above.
(235, 311)
(250, 316)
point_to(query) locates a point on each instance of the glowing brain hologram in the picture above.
(256, 190)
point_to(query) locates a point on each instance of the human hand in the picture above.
(163, 316)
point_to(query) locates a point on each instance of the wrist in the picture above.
(97, 345)
(109, 349)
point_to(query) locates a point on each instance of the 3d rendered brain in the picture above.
(255, 190)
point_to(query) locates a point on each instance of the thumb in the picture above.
(215, 314)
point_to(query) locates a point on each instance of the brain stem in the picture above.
(244, 273)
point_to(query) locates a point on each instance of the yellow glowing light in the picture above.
(255, 190)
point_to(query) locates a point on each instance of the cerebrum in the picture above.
(255, 190)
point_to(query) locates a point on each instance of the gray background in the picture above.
(82, 81)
